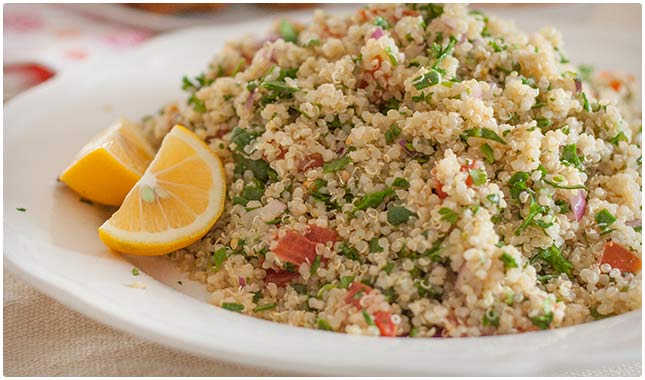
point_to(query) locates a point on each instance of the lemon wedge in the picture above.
(110, 164)
(177, 200)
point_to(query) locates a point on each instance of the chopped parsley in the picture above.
(428, 79)
(324, 325)
(543, 122)
(448, 215)
(319, 193)
(242, 137)
(553, 256)
(401, 182)
(392, 133)
(375, 246)
(490, 318)
(135, 271)
(509, 261)
(543, 321)
(618, 138)
(337, 164)
(399, 214)
(570, 156)
(315, 265)
(367, 318)
(288, 31)
(604, 219)
(488, 153)
(261, 308)
(236, 307)
(585, 103)
(345, 282)
(372, 200)
(349, 252)
(484, 133)
(478, 176)
(585, 72)
(218, 257)
(21, 209)
(380, 21)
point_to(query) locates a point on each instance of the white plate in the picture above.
(54, 245)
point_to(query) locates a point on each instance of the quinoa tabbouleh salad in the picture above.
(416, 170)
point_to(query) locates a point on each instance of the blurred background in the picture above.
(41, 40)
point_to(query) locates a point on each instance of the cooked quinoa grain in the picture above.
(417, 170)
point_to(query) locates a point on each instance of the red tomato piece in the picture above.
(383, 320)
(314, 160)
(295, 248)
(355, 292)
(621, 258)
(280, 277)
(321, 235)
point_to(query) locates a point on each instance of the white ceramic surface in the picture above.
(55, 247)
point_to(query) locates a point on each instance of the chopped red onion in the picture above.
(242, 281)
(340, 150)
(404, 143)
(378, 33)
(250, 100)
(634, 223)
(578, 86)
(578, 204)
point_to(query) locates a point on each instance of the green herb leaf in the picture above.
(261, 308)
(618, 138)
(428, 79)
(372, 200)
(509, 261)
(135, 271)
(488, 153)
(380, 21)
(543, 122)
(478, 176)
(324, 325)
(484, 133)
(585, 103)
(236, 307)
(604, 219)
(367, 318)
(543, 321)
(315, 265)
(345, 282)
(490, 318)
(392, 133)
(553, 256)
(349, 252)
(288, 31)
(398, 214)
(337, 164)
(448, 215)
(21, 209)
(218, 257)
(570, 156)
(401, 182)
(517, 184)
(374, 246)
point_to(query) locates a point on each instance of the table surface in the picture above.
(44, 338)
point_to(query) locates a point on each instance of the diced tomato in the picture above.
(321, 235)
(621, 258)
(355, 292)
(296, 248)
(469, 181)
(383, 320)
(314, 160)
(440, 192)
(615, 85)
(280, 277)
